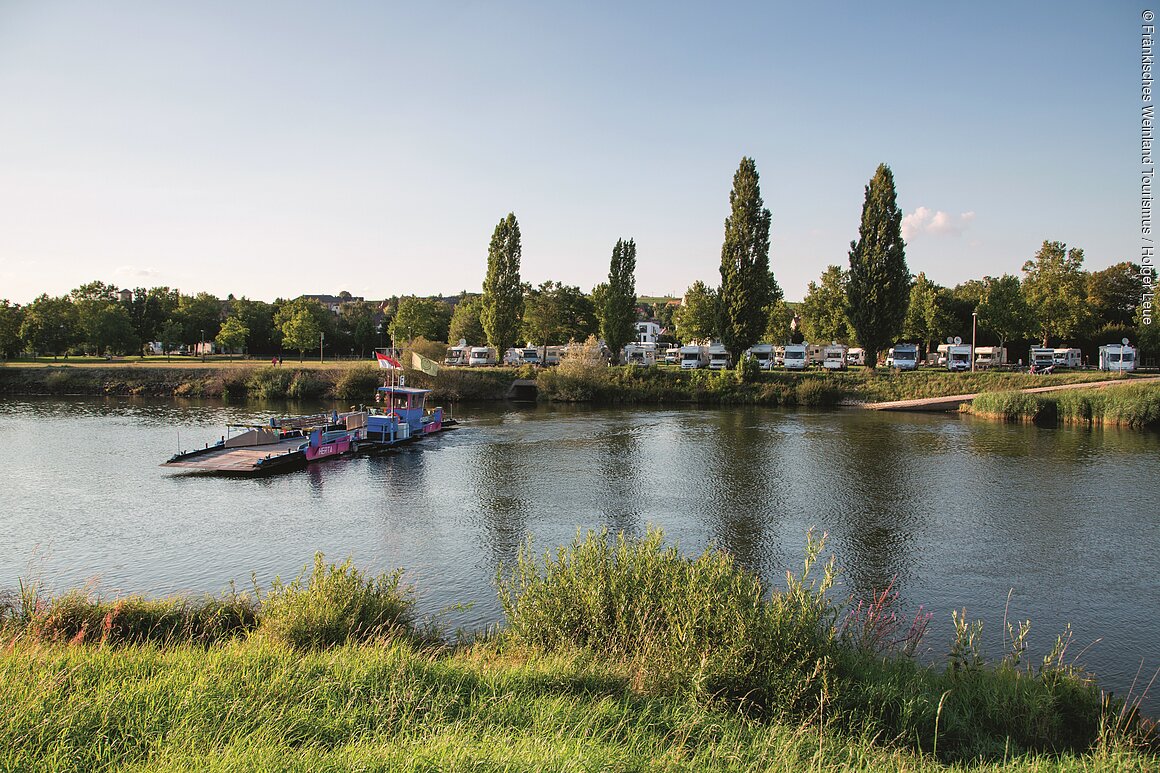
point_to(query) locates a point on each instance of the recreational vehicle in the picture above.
(1117, 358)
(693, 357)
(481, 355)
(815, 354)
(902, 356)
(458, 355)
(640, 354)
(834, 356)
(990, 357)
(673, 355)
(795, 356)
(1067, 358)
(1041, 357)
(856, 356)
(762, 354)
(959, 357)
(718, 357)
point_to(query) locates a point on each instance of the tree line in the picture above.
(873, 301)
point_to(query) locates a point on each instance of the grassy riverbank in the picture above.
(615, 654)
(1129, 405)
(354, 382)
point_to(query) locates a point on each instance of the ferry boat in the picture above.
(400, 416)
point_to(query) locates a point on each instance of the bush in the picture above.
(307, 385)
(358, 384)
(269, 383)
(336, 605)
(816, 392)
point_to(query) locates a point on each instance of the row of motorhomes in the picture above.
(833, 356)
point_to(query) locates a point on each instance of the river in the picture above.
(1053, 525)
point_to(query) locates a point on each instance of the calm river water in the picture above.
(961, 511)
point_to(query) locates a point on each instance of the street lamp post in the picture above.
(202, 346)
(974, 323)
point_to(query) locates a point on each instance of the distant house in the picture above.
(334, 303)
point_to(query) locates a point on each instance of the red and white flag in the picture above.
(387, 363)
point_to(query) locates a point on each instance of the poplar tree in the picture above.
(747, 286)
(503, 296)
(879, 286)
(618, 321)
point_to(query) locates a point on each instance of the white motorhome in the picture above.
(856, 356)
(552, 354)
(990, 357)
(815, 354)
(718, 357)
(481, 355)
(640, 354)
(834, 356)
(1067, 358)
(693, 357)
(796, 356)
(1041, 357)
(673, 355)
(959, 357)
(458, 355)
(902, 356)
(1117, 358)
(762, 354)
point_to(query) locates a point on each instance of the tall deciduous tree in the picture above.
(618, 320)
(823, 311)
(302, 322)
(747, 286)
(49, 325)
(879, 286)
(232, 334)
(926, 318)
(1003, 309)
(10, 318)
(415, 317)
(1055, 286)
(1115, 293)
(465, 321)
(503, 297)
(699, 316)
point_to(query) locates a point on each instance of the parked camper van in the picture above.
(718, 357)
(1041, 357)
(902, 357)
(481, 355)
(1067, 358)
(762, 354)
(693, 357)
(815, 354)
(990, 357)
(834, 356)
(458, 355)
(552, 354)
(1117, 358)
(673, 355)
(795, 356)
(856, 356)
(959, 357)
(640, 354)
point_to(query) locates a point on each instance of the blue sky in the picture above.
(273, 149)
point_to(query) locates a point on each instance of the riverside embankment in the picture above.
(355, 382)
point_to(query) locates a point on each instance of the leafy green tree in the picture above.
(10, 318)
(171, 334)
(618, 322)
(50, 326)
(823, 311)
(1115, 293)
(1055, 286)
(1003, 309)
(879, 286)
(258, 318)
(926, 319)
(699, 317)
(302, 323)
(465, 321)
(420, 317)
(149, 309)
(781, 316)
(747, 286)
(201, 316)
(555, 314)
(502, 292)
(91, 302)
(110, 330)
(232, 334)
(357, 325)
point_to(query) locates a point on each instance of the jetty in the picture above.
(953, 402)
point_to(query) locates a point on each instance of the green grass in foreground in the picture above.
(1129, 405)
(617, 654)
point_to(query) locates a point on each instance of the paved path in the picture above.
(952, 403)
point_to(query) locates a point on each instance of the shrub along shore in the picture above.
(615, 653)
(355, 383)
(1129, 405)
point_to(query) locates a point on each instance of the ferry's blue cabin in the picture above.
(401, 414)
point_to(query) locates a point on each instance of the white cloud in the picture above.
(936, 222)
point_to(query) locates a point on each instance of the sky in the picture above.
(271, 149)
